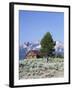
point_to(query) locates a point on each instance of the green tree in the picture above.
(47, 45)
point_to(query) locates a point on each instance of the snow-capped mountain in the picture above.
(59, 48)
(27, 46)
(32, 46)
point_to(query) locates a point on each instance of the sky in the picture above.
(34, 24)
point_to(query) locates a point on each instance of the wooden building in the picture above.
(33, 54)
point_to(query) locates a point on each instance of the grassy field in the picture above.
(39, 68)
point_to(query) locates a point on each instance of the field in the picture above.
(39, 68)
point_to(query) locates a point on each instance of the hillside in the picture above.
(39, 68)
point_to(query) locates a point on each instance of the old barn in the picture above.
(33, 54)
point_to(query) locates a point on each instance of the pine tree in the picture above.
(47, 45)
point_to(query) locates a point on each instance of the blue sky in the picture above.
(34, 24)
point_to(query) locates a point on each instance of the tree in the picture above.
(47, 45)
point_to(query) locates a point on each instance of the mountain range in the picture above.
(27, 46)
